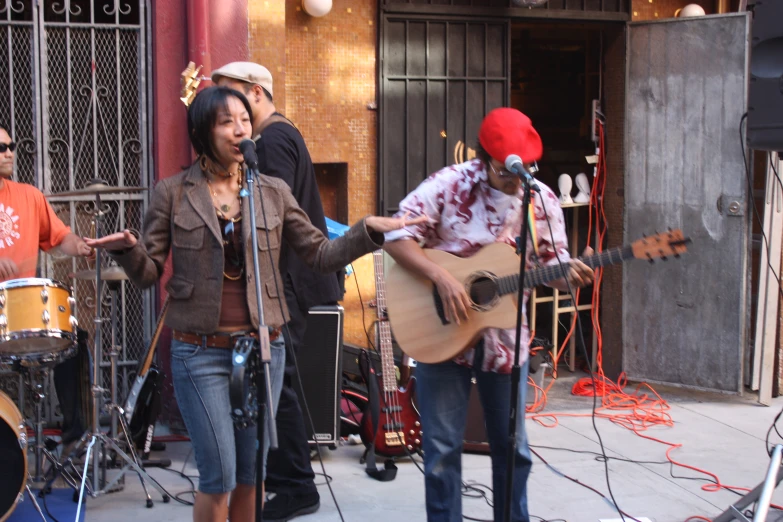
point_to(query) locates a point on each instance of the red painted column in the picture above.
(199, 48)
(170, 144)
(181, 32)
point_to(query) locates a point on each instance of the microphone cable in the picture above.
(580, 330)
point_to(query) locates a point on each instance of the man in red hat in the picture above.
(469, 206)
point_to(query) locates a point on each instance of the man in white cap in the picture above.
(282, 153)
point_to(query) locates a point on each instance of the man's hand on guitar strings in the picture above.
(579, 274)
(456, 302)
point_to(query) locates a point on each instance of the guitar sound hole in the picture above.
(483, 292)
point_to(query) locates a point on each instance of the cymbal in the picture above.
(112, 273)
(93, 189)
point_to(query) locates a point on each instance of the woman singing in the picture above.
(201, 216)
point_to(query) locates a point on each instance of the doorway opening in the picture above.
(555, 78)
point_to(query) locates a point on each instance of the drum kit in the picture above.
(38, 330)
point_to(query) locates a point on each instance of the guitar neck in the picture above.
(510, 284)
(383, 328)
(146, 362)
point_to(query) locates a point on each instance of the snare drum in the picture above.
(37, 323)
(13, 456)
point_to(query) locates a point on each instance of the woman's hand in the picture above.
(387, 224)
(117, 241)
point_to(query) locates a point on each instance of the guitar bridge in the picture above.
(395, 439)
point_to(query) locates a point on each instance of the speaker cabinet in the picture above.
(320, 370)
(765, 97)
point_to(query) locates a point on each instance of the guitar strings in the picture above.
(384, 333)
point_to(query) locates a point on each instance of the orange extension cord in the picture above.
(635, 411)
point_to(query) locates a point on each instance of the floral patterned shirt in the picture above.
(465, 213)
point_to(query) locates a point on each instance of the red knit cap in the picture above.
(506, 131)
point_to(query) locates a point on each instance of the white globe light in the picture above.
(317, 7)
(692, 10)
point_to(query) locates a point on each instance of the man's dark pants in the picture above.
(289, 472)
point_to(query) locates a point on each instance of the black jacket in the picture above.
(282, 153)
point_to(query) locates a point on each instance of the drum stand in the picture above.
(103, 443)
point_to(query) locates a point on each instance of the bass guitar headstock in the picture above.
(660, 246)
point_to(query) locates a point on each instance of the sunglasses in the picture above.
(7, 146)
(504, 173)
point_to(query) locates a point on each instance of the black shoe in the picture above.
(286, 506)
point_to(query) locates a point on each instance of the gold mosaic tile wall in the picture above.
(328, 68)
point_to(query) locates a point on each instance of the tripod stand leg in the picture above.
(35, 503)
(138, 469)
(61, 468)
(731, 514)
(132, 450)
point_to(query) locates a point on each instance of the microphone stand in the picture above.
(264, 392)
(528, 185)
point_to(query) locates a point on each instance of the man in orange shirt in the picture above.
(28, 222)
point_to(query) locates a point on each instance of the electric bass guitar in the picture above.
(399, 424)
(143, 403)
(491, 279)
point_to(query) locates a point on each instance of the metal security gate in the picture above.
(439, 77)
(75, 97)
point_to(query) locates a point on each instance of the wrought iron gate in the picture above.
(75, 98)
(439, 77)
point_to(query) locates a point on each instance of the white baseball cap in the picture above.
(246, 72)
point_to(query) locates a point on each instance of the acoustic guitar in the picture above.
(491, 279)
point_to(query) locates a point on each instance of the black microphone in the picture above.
(514, 164)
(248, 150)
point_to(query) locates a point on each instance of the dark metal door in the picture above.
(686, 321)
(439, 77)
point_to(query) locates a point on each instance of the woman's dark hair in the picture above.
(5, 128)
(203, 114)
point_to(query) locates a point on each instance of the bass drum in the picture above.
(13, 456)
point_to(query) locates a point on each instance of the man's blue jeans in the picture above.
(442, 395)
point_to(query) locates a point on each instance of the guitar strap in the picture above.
(390, 470)
(275, 118)
(531, 223)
